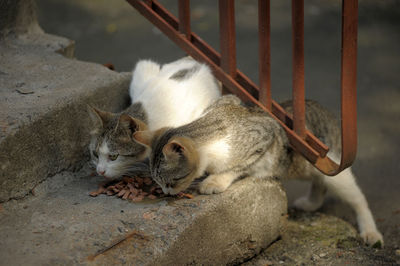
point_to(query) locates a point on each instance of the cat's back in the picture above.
(144, 73)
(229, 120)
(230, 135)
(180, 94)
(321, 122)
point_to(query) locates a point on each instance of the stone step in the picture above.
(44, 122)
(47, 216)
(63, 225)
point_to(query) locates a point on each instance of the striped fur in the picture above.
(170, 95)
(231, 141)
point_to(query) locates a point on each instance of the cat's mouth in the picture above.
(108, 178)
(169, 191)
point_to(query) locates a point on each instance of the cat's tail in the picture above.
(144, 71)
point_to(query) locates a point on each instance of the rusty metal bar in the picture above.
(168, 24)
(202, 54)
(184, 17)
(299, 121)
(348, 91)
(227, 36)
(161, 11)
(309, 146)
(349, 81)
(264, 57)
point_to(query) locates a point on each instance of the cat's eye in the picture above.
(95, 154)
(113, 157)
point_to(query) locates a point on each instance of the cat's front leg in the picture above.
(217, 183)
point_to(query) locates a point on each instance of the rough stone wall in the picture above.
(17, 17)
(43, 95)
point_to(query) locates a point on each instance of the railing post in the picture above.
(184, 18)
(298, 67)
(264, 56)
(349, 80)
(227, 36)
(224, 68)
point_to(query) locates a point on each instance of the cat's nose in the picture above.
(101, 172)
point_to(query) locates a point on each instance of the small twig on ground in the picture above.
(115, 243)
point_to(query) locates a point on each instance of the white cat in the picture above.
(173, 94)
(162, 96)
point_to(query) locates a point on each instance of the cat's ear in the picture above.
(173, 148)
(131, 124)
(178, 146)
(144, 137)
(98, 117)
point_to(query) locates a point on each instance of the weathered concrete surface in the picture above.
(109, 25)
(320, 239)
(44, 124)
(63, 225)
(17, 17)
(53, 221)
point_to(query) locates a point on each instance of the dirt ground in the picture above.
(112, 31)
(320, 239)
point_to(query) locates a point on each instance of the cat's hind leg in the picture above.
(217, 183)
(315, 197)
(345, 188)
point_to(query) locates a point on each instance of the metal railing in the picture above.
(224, 68)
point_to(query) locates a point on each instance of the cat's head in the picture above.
(173, 161)
(113, 150)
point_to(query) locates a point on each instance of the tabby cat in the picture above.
(231, 141)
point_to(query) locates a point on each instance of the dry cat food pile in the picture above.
(133, 188)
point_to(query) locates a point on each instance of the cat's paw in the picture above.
(304, 203)
(211, 187)
(372, 238)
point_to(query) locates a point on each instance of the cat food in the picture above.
(134, 188)
(185, 195)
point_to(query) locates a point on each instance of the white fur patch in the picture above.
(215, 155)
(144, 72)
(103, 150)
(102, 165)
(218, 149)
(169, 102)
